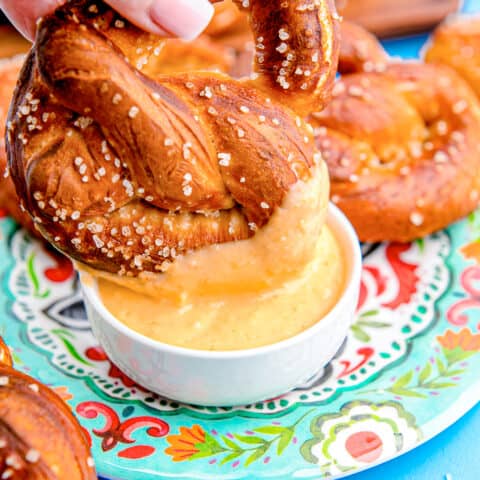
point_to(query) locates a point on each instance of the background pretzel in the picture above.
(457, 43)
(39, 436)
(402, 147)
(124, 173)
(360, 50)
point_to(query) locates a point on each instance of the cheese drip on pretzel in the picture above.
(123, 168)
(401, 143)
(40, 439)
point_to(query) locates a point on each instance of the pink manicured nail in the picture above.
(184, 18)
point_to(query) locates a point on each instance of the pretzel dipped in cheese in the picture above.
(400, 141)
(40, 439)
(114, 160)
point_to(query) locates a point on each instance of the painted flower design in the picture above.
(459, 345)
(185, 445)
(471, 251)
(360, 434)
(63, 393)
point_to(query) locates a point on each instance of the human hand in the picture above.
(182, 18)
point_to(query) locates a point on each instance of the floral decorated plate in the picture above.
(408, 369)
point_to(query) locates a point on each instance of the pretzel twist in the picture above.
(9, 70)
(402, 148)
(456, 43)
(124, 168)
(39, 436)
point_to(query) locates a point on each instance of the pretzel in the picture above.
(5, 355)
(123, 172)
(9, 70)
(360, 50)
(40, 438)
(456, 43)
(230, 29)
(402, 149)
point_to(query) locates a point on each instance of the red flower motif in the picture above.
(97, 354)
(115, 432)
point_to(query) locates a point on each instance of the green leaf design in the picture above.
(204, 451)
(407, 393)
(441, 366)
(457, 355)
(373, 324)
(403, 380)
(231, 456)
(369, 313)
(212, 443)
(452, 373)
(270, 429)
(435, 385)
(230, 443)
(425, 373)
(255, 456)
(73, 352)
(252, 440)
(421, 244)
(34, 278)
(360, 334)
(284, 441)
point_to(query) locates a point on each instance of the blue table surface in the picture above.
(455, 453)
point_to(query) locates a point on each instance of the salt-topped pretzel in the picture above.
(456, 43)
(123, 172)
(40, 439)
(360, 50)
(9, 71)
(402, 148)
(230, 29)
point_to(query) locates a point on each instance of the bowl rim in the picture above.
(349, 241)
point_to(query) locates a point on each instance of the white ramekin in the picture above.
(232, 377)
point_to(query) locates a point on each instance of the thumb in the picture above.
(181, 18)
(24, 13)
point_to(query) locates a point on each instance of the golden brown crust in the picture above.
(360, 50)
(5, 356)
(230, 29)
(457, 43)
(123, 173)
(402, 149)
(39, 436)
(9, 70)
(203, 54)
(40, 439)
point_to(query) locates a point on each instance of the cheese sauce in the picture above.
(242, 294)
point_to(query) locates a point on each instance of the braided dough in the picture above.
(40, 439)
(9, 70)
(401, 144)
(123, 168)
(457, 43)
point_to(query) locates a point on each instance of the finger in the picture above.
(24, 13)
(182, 18)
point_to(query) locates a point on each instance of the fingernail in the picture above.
(183, 18)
